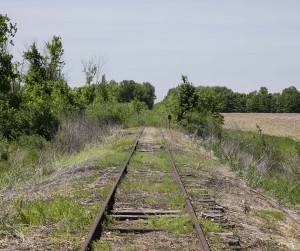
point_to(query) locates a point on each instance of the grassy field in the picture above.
(278, 124)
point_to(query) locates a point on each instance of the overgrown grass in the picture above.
(65, 210)
(147, 118)
(31, 157)
(269, 162)
(24, 159)
(44, 212)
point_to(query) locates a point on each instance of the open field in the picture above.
(278, 124)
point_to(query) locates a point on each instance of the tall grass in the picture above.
(75, 134)
(269, 162)
(31, 156)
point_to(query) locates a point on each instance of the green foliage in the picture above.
(194, 109)
(221, 99)
(187, 99)
(138, 106)
(109, 113)
(128, 91)
(290, 100)
(7, 74)
(36, 112)
(46, 96)
(9, 121)
(54, 58)
(10, 126)
(203, 124)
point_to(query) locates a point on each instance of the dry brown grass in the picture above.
(278, 124)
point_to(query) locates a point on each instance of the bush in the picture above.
(109, 113)
(205, 125)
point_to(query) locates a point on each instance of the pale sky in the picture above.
(241, 44)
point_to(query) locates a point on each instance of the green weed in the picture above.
(177, 225)
(43, 212)
(210, 227)
(270, 218)
(274, 214)
(101, 245)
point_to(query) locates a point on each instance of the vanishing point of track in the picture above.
(97, 229)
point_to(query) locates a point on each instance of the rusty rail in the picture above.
(96, 230)
(202, 242)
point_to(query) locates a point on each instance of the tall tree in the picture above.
(36, 73)
(9, 122)
(46, 95)
(7, 74)
(54, 57)
(290, 99)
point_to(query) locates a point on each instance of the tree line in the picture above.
(224, 100)
(35, 96)
(195, 107)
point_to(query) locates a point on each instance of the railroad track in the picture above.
(149, 206)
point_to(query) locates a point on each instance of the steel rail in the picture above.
(202, 242)
(96, 230)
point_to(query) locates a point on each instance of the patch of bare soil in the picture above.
(150, 135)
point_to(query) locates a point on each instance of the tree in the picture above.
(46, 95)
(36, 73)
(290, 99)
(7, 74)
(9, 101)
(145, 93)
(54, 58)
(264, 100)
(187, 99)
(93, 68)
(126, 91)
